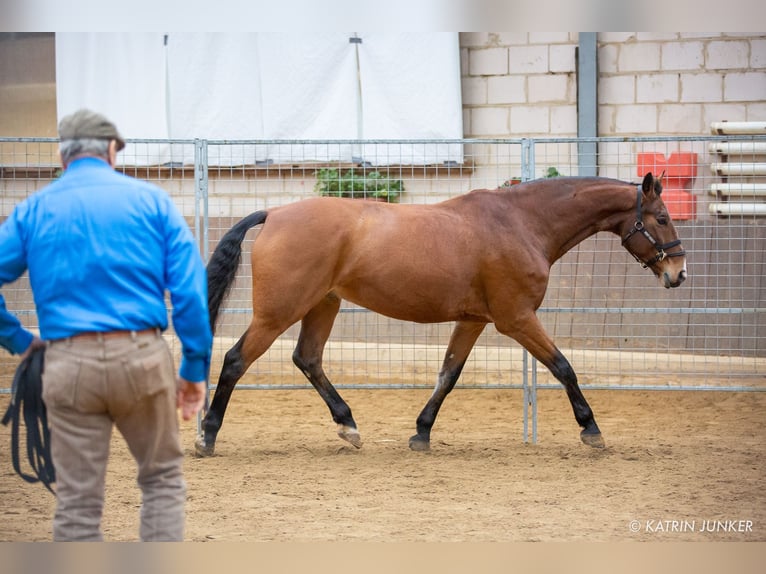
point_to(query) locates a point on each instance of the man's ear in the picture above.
(112, 153)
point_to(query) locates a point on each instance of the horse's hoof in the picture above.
(594, 440)
(351, 435)
(202, 449)
(419, 444)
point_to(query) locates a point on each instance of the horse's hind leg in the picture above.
(461, 342)
(531, 335)
(250, 346)
(315, 330)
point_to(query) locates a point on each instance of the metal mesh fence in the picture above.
(608, 315)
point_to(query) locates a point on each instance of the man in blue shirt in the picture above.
(102, 249)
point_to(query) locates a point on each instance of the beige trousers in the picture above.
(91, 385)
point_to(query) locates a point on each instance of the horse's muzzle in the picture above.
(668, 282)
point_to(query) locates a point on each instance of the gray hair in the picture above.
(70, 149)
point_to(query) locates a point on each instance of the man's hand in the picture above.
(191, 397)
(36, 343)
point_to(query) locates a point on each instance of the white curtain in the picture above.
(269, 86)
(214, 93)
(121, 75)
(411, 89)
(309, 92)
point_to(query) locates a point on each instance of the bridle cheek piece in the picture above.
(638, 227)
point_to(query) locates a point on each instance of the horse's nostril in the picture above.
(682, 275)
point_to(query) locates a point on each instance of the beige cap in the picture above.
(87, 124)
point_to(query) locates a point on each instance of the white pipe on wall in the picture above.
(749, 128)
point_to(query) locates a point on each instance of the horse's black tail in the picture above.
(223, 264)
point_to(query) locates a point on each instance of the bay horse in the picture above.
(478, 258)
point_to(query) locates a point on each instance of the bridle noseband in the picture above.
(638, 227)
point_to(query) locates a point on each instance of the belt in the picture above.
(101, 336)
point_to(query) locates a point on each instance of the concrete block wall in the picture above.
(524, 84)
(518, 84)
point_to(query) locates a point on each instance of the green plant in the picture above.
(358, 183)
(550, 172)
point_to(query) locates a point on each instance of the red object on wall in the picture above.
(680, 169)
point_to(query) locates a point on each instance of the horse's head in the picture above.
(651, 237)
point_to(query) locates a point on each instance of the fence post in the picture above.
(529, 395)
(533, 398)
(201, 196)
(530, 391)
(201, 227)
(525, 393)
(527, 159)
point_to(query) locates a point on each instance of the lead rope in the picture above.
(27, 402)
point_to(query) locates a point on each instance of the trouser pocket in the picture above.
(150, 370)
(61, 378)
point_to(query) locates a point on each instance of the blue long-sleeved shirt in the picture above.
(102, 248)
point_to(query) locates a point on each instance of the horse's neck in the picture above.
(575, 213)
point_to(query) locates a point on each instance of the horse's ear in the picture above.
(651, 185)
(648, 184)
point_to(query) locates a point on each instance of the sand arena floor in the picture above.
(674, 461)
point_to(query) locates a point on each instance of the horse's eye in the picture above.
(662, 220)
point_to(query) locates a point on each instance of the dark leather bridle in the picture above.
(638, 227)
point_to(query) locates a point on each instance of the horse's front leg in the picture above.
(531, 335)
(461, 342)
(238, 359)
(316, 326)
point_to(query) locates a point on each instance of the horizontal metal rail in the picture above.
(488, 387)
(605, 310)
(546, 386)
(421, 141)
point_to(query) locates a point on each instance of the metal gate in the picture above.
(608, 315)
